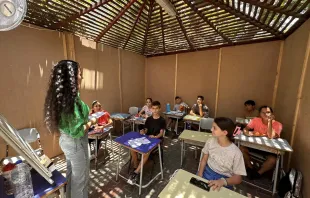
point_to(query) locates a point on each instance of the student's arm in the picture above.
(161, 134)
(203, 164)
(142, 110)
(217, 184)
(192, 111)
(200, 110)
(146, 126)
(89, 124)
(274, 129)
(205, 110)
(205, 157)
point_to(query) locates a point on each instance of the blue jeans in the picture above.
(76, 153)
(209, 174)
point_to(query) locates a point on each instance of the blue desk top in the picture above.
(144, 148)
(120, 116)
(40, 186)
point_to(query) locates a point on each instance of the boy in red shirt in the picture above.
(264, 125)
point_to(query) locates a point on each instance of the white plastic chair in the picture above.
(30, 135)
(206, 123)
(133, 110)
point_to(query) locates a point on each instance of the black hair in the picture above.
(263, 107)
(226, 124)
(249, 102)
(62, 93)
(156, 103)
(177, 97)
(150, 99)
(202, 98)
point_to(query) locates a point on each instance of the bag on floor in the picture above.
(290, 184)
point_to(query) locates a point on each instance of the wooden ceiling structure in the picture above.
(143, 26)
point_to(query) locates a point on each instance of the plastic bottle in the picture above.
(6, 173)
(21, 179)
(167, 107)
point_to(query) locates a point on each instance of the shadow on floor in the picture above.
(103, 183)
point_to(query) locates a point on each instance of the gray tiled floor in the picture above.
(103, 184)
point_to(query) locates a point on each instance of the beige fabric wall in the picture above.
(291, 68)
(133, 86)
(197, 75)
(294, 58)
(27, 56)
(160, 79)
(247, 72)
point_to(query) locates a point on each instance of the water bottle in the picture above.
(22, 183)
(167, 107)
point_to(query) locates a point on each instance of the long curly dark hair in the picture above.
(62, 93)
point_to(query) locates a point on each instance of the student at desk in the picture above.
(154, 127)
(200, 109)
(146, 111)
(103, 122)
(179, 106)
(250, 110)
(265, 125)
(222, 163)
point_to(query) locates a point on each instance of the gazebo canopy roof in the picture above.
(144, 27)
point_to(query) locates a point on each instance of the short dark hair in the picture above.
(201, 97)
(150, 99)
(226, 124)
(156, 103)
(249, 102)
(263, 107)
(177, 97)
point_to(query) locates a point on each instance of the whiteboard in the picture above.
(12, 138)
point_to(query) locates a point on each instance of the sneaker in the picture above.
(252, 174)
(133, 178)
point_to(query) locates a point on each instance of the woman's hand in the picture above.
(152, 136)
(216, 184)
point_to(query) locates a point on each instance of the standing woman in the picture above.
(66, 113)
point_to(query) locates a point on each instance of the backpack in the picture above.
(290, 184)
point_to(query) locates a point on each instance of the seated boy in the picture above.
(154, 128)
(179, 106)
(200, 109)
(250, 110)
(265, 125)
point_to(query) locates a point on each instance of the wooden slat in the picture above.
(151, 4)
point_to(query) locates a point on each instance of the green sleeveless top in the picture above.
(73, 124)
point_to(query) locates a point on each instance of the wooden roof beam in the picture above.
(162, 28)
(81, 13)
(245, 17)
(272, 8)
(147, 25)
(134, 25)
(115, 20)
(207, 21)
(184, 32)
